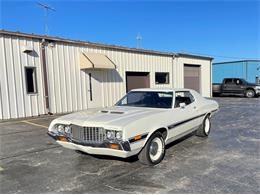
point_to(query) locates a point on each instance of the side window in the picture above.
(183, 97)
(30, 76)
(228, 81)
(238, 82)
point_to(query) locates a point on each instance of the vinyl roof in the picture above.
(99, 45)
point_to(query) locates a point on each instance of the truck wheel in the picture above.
(250, 93)
(204, 129)
(154, 150)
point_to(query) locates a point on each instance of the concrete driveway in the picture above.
(228, 161)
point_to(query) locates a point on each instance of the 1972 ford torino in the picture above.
(142, 123)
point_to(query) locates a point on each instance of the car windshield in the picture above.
(147, 99)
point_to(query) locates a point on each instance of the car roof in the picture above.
(161, 89)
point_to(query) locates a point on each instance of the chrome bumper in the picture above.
(103, 148)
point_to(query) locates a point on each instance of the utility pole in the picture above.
(46, 8)
(139, 39)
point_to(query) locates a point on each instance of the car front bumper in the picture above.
(97, 150)
(123, 151)
(257, 92)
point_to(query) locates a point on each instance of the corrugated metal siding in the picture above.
(205, 66)
(68, 84)
(15, 102)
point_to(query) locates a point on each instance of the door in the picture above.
(94, 89)
(239, 86)
(136, 80)
(185, 114)
(192, 77)
(228, 86)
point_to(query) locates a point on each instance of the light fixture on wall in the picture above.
(27, 49)
(51, 44)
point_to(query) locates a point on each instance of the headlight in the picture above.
(118, 135)
(60, 128)
(110, 134)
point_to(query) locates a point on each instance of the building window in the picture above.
(30, 76)
(162, 78)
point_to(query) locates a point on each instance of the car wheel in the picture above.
(250, 93)
(154, 150)
(204, 129)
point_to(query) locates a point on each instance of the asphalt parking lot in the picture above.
(228, 161)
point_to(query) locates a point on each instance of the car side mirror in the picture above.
(182, 105)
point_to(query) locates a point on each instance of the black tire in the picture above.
(145, 156)
(250, 93)
(204, 129)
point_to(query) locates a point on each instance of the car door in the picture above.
(228, 86)
(183, 116)
(239, 86)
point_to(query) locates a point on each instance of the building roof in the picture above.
(99, 45)
(238, 61)
(186, 55)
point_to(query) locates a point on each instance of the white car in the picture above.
(142, 123)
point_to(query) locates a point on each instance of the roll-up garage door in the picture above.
(136, 80)
(192, 77)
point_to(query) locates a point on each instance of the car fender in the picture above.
(152, 131)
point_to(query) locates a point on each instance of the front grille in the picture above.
(87, 134)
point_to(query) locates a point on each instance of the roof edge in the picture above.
(193, 56)
(93, 44)
(104, 46)
(237, 61)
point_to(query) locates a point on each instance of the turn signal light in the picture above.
(137, 137)
(114, 146)
(61, 138)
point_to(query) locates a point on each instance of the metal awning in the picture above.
(95, 61)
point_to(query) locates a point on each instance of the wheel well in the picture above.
(250, 89)
(163, 131)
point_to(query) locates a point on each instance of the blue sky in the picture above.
(227, 30)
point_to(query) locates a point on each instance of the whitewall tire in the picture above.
(154, 150)
(204, 129)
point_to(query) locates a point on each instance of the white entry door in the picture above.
(94, 89)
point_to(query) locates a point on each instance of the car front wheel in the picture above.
(154, 150)
(250, 93)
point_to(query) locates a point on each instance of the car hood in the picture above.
(117, 116)
(252, 84)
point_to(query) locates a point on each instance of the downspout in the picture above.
(45, 79)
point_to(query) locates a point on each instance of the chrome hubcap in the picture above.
(153, 148)
(250, 94)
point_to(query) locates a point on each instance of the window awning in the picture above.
(95, 61)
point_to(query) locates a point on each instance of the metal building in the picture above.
(246, 69)
(41, 75)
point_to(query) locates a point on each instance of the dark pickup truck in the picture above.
(233, 86)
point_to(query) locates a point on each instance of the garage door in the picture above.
(192, 77)
(136, 80)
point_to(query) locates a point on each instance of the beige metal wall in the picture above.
(68, 85)
(205, 75)
(14, 100)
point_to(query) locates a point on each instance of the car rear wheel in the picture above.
(250, 93)
(154, 150)
(204, 129)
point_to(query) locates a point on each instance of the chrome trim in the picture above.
(87, 134)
